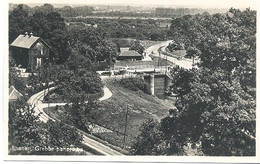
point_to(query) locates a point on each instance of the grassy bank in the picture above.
(112, 113)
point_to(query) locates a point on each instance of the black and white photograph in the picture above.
(171, 80)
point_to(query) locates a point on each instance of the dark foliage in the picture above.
(135, 84)
(216, 110)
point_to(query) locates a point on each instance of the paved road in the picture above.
(101, 148)
(36, 102)
(107, 94)
(153, 51)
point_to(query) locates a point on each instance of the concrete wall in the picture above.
(134, 64)
(158, 84)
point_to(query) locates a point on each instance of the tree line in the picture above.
(76, 54)
(127, 28)
(81, 11)
(66, 11)
(216, 104)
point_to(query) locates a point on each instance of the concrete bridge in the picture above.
(158, 78)
(158, 83)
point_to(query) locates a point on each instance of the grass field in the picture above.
(112, 113)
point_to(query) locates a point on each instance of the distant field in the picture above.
(127, 42)
(120, 17)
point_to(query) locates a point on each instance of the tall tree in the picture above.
(137, 47)
(216, 109)
(18, 22)
(24, 127)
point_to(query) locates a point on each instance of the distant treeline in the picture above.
(68, 11)
(126, 28)
(177, 12)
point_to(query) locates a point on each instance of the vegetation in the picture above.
(215, 106)
(135, 84)
(74, 73)
(15, 81)
(111, 113)
(215, 111)
(126, 28)
(48, 26)
(27, 135)
(137, 47)
(174, 46)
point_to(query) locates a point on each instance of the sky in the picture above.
(188, 3)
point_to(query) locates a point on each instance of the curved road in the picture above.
(36, 102)
(153, 51)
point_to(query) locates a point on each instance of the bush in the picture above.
(135, 84)
(107, 73)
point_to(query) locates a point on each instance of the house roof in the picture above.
(122, 49)
(14, 94)
(26, 41)
(164, 25)
(130, 53)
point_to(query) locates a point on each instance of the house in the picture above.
(29, 51)
(122, 49)
(129, 55)
(14, 94)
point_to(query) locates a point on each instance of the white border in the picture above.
(4, 50)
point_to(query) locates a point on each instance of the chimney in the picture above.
(31, 34)
(26, 33)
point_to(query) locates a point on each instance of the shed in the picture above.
(130, 55)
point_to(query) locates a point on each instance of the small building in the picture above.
(164, 25)
(123, 49)
(14, 94)
(29, 51)
(129, 55)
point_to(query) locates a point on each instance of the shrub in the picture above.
(135, 84)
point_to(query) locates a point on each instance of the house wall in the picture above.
(129, 58)
(40, 51)
(20, 56)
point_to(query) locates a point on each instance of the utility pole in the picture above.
(159, 59)
(48, 87)
(125, 125)
(166, 63)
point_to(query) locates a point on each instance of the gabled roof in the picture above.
(122, 49)
(130, 53)
(14, 94)
(26, 41)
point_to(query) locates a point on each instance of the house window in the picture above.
(38, 62)
(41, 51)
